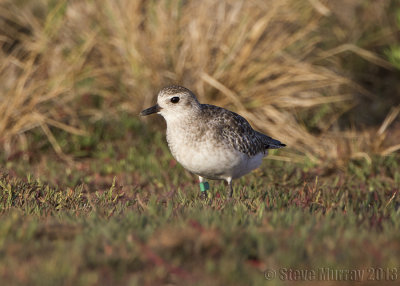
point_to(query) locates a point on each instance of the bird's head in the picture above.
(174, 101)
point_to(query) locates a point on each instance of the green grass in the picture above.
(124, 213)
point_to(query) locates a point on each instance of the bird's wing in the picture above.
(237, 132)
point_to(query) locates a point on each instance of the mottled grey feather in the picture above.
(232, 128)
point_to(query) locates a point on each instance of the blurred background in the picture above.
(321, 76)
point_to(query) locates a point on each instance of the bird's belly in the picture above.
(215, 162)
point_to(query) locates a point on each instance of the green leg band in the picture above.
(204, 186)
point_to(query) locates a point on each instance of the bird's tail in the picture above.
(271, 143)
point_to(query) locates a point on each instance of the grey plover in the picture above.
(210, 141)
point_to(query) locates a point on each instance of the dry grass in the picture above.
(254, 57)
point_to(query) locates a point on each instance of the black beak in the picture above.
(154, 109)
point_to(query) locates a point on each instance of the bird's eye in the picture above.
(175, 99)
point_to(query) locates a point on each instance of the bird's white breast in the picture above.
(195, 148)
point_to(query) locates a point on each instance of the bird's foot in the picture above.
(204, 195)
(229, 196)
(204, 187)
(229, 193)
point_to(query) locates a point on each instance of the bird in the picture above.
(209, 141)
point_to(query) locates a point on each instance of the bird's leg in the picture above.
(230, 191)
(204, 186)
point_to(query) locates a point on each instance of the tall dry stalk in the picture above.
(254, 57)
